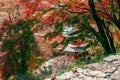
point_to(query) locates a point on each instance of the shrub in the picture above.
(20, 46)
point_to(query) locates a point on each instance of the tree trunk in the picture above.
(107, 40)
(114, 19)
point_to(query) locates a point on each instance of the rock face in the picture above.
(53, 65)
(116, 75)
(112, 58)
(108, 69)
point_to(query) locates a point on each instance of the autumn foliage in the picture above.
(30, 8)
(56, 13)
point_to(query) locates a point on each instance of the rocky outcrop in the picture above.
(116, 74)
(53, 65)
(108, 69)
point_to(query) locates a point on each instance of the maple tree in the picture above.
(11, 8)
(57, 13)
(15, 35)
(52, 12)
(86, 7)
(110, 13)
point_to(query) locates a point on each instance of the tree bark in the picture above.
(107, 40)
(115, 20)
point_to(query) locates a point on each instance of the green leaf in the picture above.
(55, 44)
(49, 34)
(58, 27)
(74, 19)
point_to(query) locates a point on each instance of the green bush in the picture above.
(20, 46)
